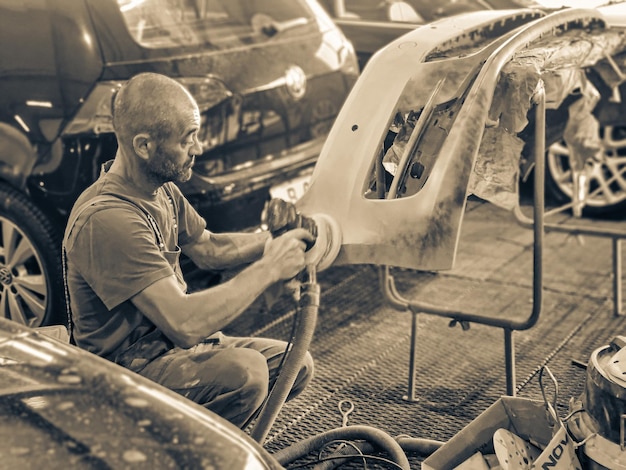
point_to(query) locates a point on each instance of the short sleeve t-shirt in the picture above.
(113, 253)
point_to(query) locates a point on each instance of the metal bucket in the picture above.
(600, 420)
(604, 398)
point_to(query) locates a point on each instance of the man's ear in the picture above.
(143, 145)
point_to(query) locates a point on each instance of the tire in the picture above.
(607, 177)
(31, 276)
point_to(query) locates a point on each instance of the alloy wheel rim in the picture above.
(607, 175)
(23, 285)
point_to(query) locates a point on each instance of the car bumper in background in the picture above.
(235, 200)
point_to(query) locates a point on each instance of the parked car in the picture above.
(62, 407)
(269, 78)
(372, 24)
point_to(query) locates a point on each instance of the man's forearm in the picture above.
(186, 318)
(241, 248)
(205, 312)
(229, 250)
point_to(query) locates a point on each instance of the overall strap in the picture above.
(70, 227)
(114, 198)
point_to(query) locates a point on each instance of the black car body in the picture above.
(62, 407)
(269, 79)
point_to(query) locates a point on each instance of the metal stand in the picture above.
(539, 227)
(615, 235)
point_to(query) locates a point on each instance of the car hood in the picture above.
(63, 407)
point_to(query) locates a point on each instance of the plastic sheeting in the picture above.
(560, 63)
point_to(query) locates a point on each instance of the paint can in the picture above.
(600, 419)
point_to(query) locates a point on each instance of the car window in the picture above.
(221, 24)
(371, 10)
(423, 11)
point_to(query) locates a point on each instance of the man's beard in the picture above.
(161, 169)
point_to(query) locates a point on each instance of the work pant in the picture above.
(228, 375)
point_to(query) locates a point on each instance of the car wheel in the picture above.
(607, 177)
(31, 276)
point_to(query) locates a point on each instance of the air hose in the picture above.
(279, 217)
(306, 321)
(380, 439)
(412, 445)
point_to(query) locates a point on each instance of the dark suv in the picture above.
(269, 78)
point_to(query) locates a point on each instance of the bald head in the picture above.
(149, 103)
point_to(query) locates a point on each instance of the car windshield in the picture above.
(221, 24)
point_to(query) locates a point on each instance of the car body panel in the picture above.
(48, 71)
(62, 407)
(418, 225)
(369, 37)
(420, 230)
(598, 190)
(44, 80)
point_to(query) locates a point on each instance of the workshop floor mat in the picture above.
(361, 345)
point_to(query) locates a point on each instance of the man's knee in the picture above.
(241, 387)
(247, 373)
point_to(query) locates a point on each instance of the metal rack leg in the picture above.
(617, 276)
(412, 359)
(509, 352)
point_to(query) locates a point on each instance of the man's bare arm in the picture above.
(226, 250)
(188, 318)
